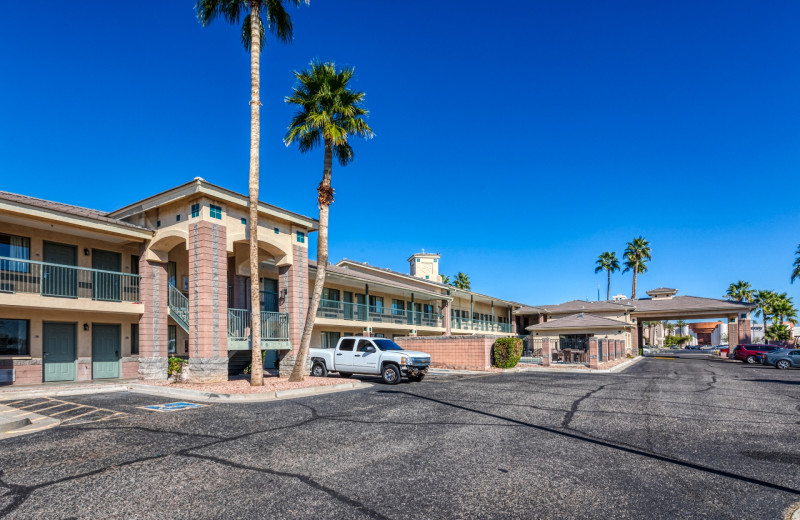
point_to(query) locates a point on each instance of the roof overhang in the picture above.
(200, 186)
(355, 278)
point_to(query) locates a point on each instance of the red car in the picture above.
(753, 353)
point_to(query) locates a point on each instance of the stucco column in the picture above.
(545, 352)
(733, 336)
(447, 315)
(208, 302)
(635, 339)
(153, 323)
(593, 348)
(743, 330)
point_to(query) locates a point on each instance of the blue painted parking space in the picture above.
(172, 407)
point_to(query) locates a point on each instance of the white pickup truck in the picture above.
(360, 355)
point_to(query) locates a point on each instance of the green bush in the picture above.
(249, 368)
(175, 366)
(507, 352)
(671, 341)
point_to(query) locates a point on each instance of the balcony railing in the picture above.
(65, 281)
(459, 323)
(376, 314)
(274, 325)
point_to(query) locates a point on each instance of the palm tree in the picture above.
(740, 291)
(445, 279)
(461, 281)
(778, 332)
(680, 324)
(329, 113)
(637, 254)
(280, 24)
(607, 262)
(783, 309)
(796, 264)
(763, 300)
(669, 327)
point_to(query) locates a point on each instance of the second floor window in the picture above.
(216, 211)
(195, 210)
(376, 304)
(12, 246)
(398, 307)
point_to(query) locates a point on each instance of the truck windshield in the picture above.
(386, 344)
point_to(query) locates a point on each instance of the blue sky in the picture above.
(518, 139)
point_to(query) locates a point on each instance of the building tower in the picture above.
(425, 265)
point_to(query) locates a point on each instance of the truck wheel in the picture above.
(416, 379)
(345, 374)
(390, 374)
(319, 370)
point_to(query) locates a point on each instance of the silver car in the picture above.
(783, 359)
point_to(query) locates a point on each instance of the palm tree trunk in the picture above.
(325, 199)
(257, 368)
(608, 286)
(635, 272)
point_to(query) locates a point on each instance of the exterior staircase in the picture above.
(179, 307)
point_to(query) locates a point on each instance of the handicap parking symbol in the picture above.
(172, 407)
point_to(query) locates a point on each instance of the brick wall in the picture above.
(208, 289)
(457, 352)
(28, 371)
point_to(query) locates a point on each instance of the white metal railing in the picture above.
(66, 281)
(460, 323)
(274, 325)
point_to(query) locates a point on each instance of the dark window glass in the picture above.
(134, 264)
(195, 210)
(363, 345)
(330, 339)
(12, 246)
(215, 211)
(134, 339)
(14, 337)
(171, 337)
(347, 344)
(387, 344)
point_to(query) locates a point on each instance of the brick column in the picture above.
(153, 323)
(593, 347)
(446, 316)
(635, 340)
(743, 331)
(733, 338)
(208, 303)
(545, 352)
(294, 278)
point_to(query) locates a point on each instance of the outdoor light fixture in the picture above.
(284, 292)
(85, 326)
(86, 251)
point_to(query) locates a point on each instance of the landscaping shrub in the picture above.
(249, 368)
(175, 366)
(671, 341)
(507, 352)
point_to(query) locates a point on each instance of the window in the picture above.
(301, 237)
(216, 211)
(347, 344)
(177, 218)
(171, 269)
(378, 335)
(135, 339)
(171, 337)
(158, 223)
(376, 304)
(398, 307)
(12, 246)
(244, 221)
(363, 345)
(134, 264)
(195, 210)
(14, 337)
(387, 344)
(330, 297)
(277, 231)
(330, 339)
(417, 259)
(435, 260)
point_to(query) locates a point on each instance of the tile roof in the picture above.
(76, 211)
(575, 306)
(579, 321)
(686, 303)
(394, 273)
(368, 277)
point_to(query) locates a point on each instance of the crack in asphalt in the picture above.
(611, 445)
(712, 383)
(576, 403)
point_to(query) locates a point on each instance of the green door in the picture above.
(58, 343)
(57, 280)
(106, 284)
(105, 351)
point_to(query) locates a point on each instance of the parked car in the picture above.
(782, 358)
(752, 353)
(359, 355)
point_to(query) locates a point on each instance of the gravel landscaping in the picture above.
(241, 384)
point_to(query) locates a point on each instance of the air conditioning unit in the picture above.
(7, 375)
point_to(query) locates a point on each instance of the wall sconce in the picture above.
(85, 326)
(284, 292)
(85, 251)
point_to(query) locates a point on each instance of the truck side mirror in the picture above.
(370, 348)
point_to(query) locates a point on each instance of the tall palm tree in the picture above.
(255, 13)
(462, 281)
(796, 264)
(669, 327)
(783, 309)
(329, 113)
(445, 279)
(637, 254)
(607, 262)
(740, 291)
(763, 299)
(680, 324)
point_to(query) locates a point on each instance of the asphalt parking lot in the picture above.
(667, 438)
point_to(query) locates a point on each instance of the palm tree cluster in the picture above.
(329, 113)
(780, 308)
(637, 254)
(460, 281)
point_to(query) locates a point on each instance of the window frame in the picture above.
(27, 349)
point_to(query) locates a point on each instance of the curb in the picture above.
(29, 393)
(550, 370)
(277, 395)
(15, 426)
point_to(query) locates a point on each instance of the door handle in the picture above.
(116, 352)
(339, 354)
(357, 355)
